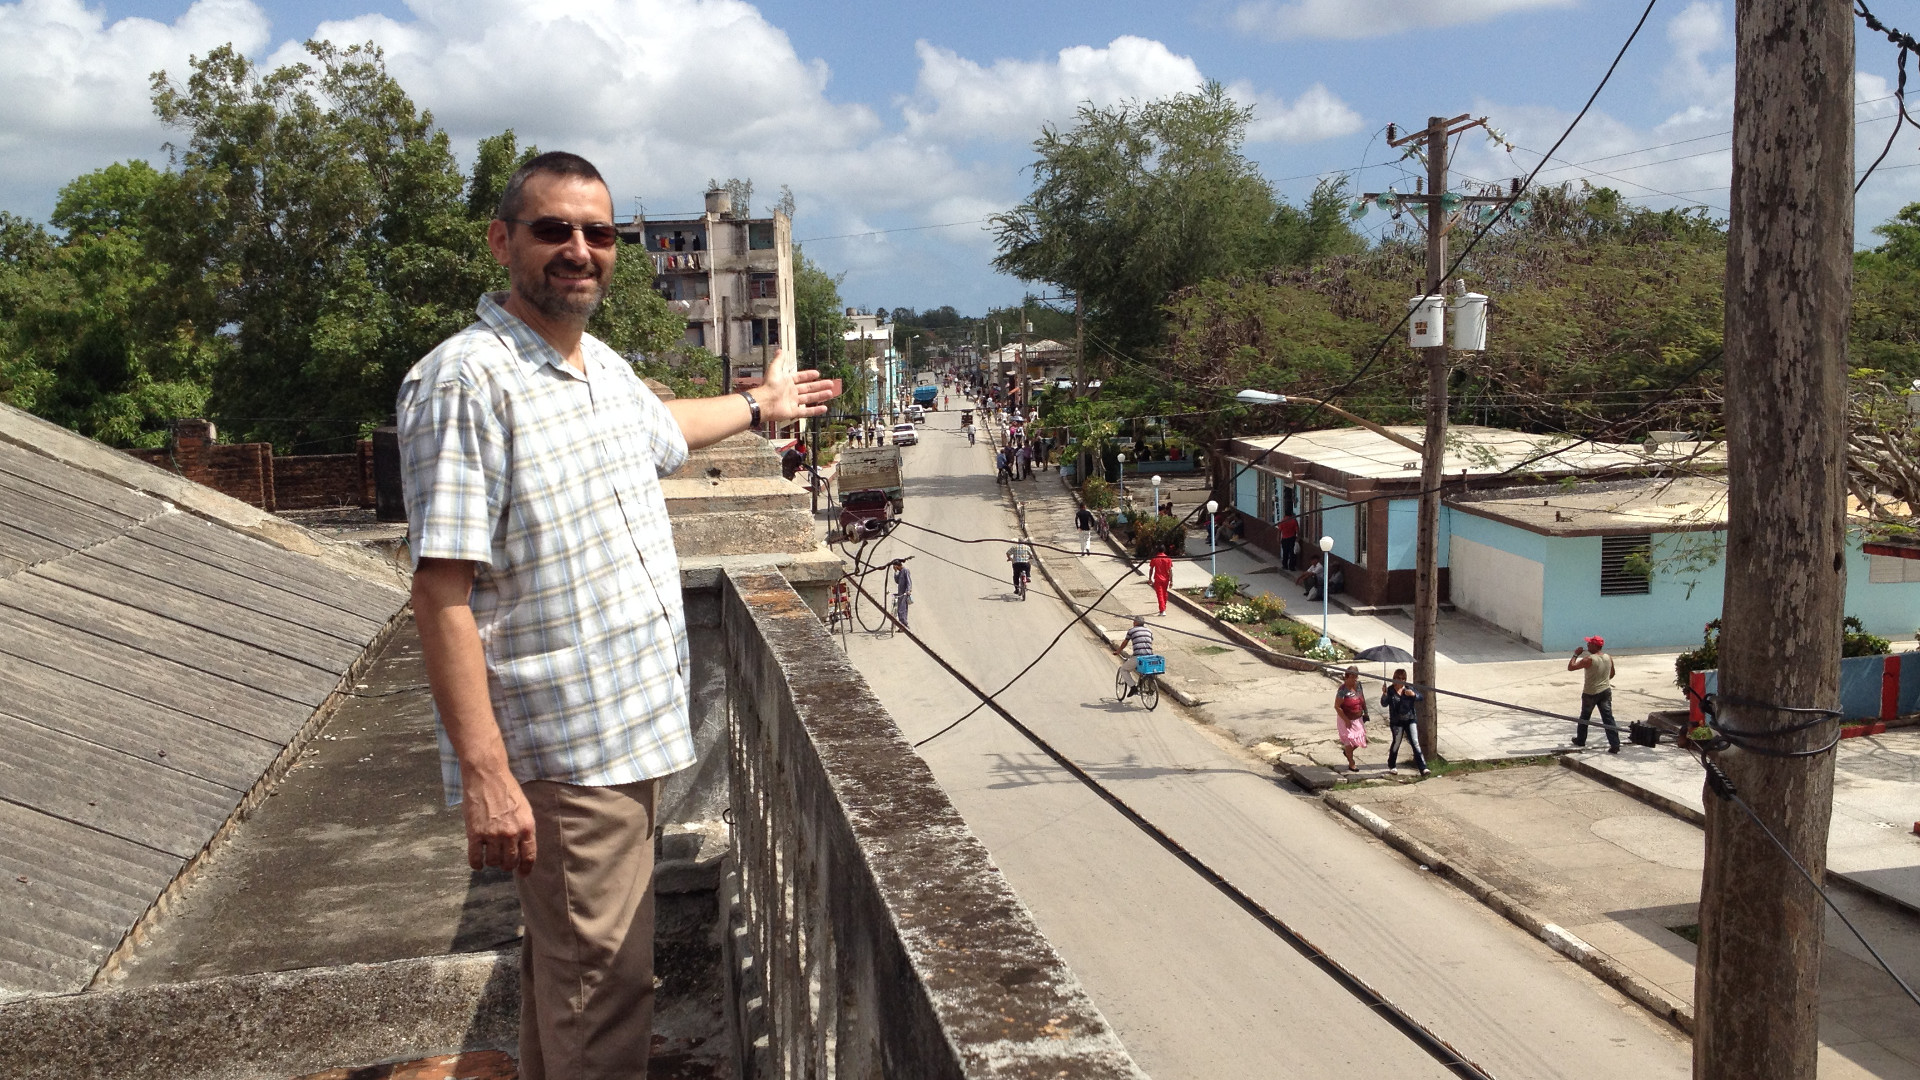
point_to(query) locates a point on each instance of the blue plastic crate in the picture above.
(1151, 664)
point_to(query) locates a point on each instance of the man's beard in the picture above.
(563, 305)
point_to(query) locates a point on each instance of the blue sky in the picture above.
(890, 116)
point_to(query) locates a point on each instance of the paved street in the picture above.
(1194, 986)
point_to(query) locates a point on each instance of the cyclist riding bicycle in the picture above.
(1139, 644)
(1022, 558)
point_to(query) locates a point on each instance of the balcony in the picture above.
(680, 262)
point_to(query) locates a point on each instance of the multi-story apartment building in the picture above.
(869, 343)
(731, 276)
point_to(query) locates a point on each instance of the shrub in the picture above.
(1855, 641)
(1223, 587)
(1305, 637)
(1238, 613)
(1097, 494)
(1704, 658)
(1267, 607)
(1158, 533)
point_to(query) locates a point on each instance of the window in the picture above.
(765, 332)
(763, 286)
(1266, 499)
(696, 334)
(760, 235)
(1891, 569)
(1624, 566)
(1361, 512)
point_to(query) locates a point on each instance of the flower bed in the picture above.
(1277, 632)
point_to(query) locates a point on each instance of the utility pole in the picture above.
(1788, 297)
(1426, 573)
(1442, 210)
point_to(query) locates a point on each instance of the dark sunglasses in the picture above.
(550, 230)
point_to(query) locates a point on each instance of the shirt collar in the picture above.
(527, 343)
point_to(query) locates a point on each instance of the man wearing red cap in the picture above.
(1598, 690)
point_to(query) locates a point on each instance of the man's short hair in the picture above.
(551, 163)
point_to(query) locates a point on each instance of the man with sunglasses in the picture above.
(547, 594)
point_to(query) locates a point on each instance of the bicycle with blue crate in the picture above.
(1148, 667)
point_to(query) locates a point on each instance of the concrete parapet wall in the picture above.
(870, 925)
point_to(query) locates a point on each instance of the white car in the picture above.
(916, 414)
(905, 435)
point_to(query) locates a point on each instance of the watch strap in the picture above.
(753, 407)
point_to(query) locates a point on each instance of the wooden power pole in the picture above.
(1433, 447)
(1788, 298)
(1426, 573)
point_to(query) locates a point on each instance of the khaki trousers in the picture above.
(586, 963)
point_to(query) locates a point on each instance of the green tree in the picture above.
(319, 219)
(92, 341)
(1140, 200)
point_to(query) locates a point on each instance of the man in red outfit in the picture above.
(1160, 573)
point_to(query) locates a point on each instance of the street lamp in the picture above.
(1156, 493)
(1120, 456)
(1213, 545)
(1326, 591)
(1260, 397)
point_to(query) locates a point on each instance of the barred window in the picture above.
(1621, 572)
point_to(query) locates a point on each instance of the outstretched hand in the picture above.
(793, 396)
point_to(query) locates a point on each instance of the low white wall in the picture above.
(1505, 589)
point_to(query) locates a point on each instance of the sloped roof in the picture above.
(155, 664)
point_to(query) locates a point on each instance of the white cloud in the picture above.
(1699, 33)
(74, 91)
(958, 98)
(1316, 114)
(1281, 20)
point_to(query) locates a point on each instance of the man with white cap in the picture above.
(1598, 690)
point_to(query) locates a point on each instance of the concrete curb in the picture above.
(1645, 994)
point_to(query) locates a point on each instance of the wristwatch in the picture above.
(753, 407)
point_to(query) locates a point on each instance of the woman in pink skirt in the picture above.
(1350, 716)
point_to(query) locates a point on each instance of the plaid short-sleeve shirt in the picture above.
(550, 480)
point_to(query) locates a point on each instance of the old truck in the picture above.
(869, 480)
(928, 396)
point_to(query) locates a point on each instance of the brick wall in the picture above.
(249, 471)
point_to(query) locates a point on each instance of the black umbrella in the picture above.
(1385, 654)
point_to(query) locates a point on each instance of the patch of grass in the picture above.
(1442, 767)
(1691, 932)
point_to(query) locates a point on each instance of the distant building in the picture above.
(731, 276)
(869, 342)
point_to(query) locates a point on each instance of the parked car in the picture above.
(905, 435)
(916, 414)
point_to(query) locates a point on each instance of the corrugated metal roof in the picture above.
(153, 664)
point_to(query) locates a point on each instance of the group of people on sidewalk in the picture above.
(1402, 702)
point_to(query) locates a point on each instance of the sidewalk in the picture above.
(1598, 872)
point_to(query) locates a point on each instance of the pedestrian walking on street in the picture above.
(902, 591)
(1000, 465)
(1596, 691)
(1026, 463)
(1085, 523)
(1160, 573)
(1289, 543)
(1350, 716)
(1402, 703)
